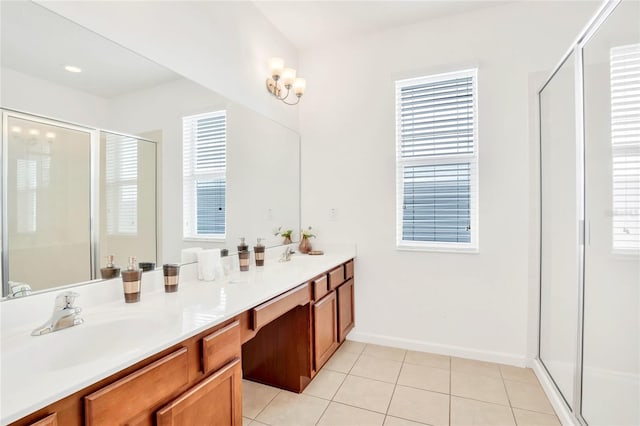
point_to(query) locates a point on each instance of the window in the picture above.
(437, 162)
(625, 146)
(121, 184)
(204, 175)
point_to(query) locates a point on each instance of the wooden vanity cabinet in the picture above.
(346, 314)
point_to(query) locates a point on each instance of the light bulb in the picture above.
(298, 86)
(288, 76)
(16, 129)
(276, 65)
(34, 132)
(72, 68)
(50, 135)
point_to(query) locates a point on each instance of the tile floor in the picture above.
(375, 385)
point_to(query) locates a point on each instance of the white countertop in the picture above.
(37, 371)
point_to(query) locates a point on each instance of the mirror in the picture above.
(134, 99)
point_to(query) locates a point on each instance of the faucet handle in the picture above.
(66, 299)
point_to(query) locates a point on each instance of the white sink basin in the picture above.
(100, 336)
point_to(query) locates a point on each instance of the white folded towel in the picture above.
(209, 264)
(190, 255)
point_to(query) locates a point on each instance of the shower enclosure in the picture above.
(589, 328)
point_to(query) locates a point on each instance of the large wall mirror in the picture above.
(121, 107)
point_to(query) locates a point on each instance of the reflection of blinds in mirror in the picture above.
(204, 175)
(625, 141)
(121, 178)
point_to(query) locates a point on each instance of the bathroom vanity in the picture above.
(277, 325)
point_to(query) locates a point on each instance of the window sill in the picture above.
(432, 249)
(206, 239)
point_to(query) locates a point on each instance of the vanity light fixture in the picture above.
(72, 68)
(284, 78)
(16, 129)
(50, 135)
(34, 132)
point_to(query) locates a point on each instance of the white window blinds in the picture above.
(436, 125)
(121, 184)
(204, 175)
(625, 144)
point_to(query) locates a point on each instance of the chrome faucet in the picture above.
(65, 314)
(286, 256)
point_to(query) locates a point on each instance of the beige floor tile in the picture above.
(427, 378)
(427, 359)
(476, 386)
(528, 396)
(293, 409)
(365, 393)
(471, 366)
(531, 418)
(325, 384)
(246, 421)
(351, 346)
(384, 352)
(255, 397)
(376, 368)
(396, 421)
(341, 361)
(517, 374)
(468, 412)
(257, 423)
(420, 406)
(345, 415)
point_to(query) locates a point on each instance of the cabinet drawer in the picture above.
(320, 287)
(348, 270)
(272, 309)
(221, 347)
(51, 420)
(134, 397)
(336, 277)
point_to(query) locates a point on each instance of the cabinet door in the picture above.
(325, 327)
(217, 400)
(345, 309)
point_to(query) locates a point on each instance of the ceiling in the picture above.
(311, 23)
(37, 42)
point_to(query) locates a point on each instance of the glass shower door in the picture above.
(48, 194)
(611, 352)
(559, 263)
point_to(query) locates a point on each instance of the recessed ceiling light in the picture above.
(16, 129)
(72, 68)
(50, 135)
(34, 132)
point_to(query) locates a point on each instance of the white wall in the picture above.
(463, 304)
(223, 45)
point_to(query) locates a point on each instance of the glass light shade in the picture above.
(299, 85)
(276, 65)
(288, 76)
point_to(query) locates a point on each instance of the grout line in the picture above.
(504, 385)
(267, 404)
(450, 397)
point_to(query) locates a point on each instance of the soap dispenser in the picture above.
(131, 282)
(243, 246)
(258, 251)
(109, 271)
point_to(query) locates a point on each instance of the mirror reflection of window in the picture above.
(625, 145)
(121, 185)
(204, 175)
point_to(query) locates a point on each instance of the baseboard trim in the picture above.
(563, 412)
(458, 351)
